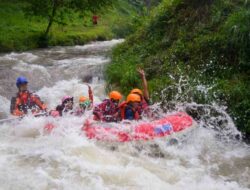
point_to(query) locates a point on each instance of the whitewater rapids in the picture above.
(67, 160)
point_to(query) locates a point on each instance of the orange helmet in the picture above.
(82, 99)
(133, 98)
(136, 91)
(115, 95)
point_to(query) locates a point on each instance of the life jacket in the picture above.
(136, 113)
(25, 101)
(122, 107)
(61, 109)
(107, 111)
(79, 111)
(54, 113)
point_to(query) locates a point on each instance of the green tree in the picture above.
(56, 10)
(147, 4)
(151, 3)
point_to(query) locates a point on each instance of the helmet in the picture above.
(136, 91)
(115, 95)
(21, 80)
(133, 98)
(66, 98)
(85, 104)
(82, 99)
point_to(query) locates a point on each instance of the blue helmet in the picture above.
(20, 81)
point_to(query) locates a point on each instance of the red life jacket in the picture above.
(25, 101)
(137, 112)
(122, 107)
(107, 111)
(54, 113)
(95, 19)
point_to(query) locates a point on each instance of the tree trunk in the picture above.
(148, 5)
(51, 18)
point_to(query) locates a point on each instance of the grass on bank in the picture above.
(19, 32)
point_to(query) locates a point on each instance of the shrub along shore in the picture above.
(202, 46)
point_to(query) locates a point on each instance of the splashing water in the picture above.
(181, 96)
(205, 158)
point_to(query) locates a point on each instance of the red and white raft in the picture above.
(143, 131)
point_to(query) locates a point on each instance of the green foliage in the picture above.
(44, 8)
(60, 11)
(124, 25)
(142, 4)
(123, 74)
(236, 93)
(237, 29)
(19, 32)
(205, 42)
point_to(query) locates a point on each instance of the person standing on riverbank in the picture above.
(95, 19)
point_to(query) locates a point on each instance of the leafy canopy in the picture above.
(57, 10)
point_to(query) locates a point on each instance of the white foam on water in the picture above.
(75, 88)
(22, 67)
(65, 159)
(88, 61)
(5, 105)
(26, 57)
(32, 158)
(100, 45)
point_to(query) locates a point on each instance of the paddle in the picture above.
(10, 119)
(20, 117)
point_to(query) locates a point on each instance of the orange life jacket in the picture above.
(25, 101)
(136, 112)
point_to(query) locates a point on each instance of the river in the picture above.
(205, 158)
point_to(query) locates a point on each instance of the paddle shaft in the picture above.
(16, 118)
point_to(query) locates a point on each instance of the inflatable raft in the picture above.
(138, 131)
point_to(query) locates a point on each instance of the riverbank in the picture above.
(192, 51)
(19, 32)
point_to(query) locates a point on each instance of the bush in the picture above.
(204, 42)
